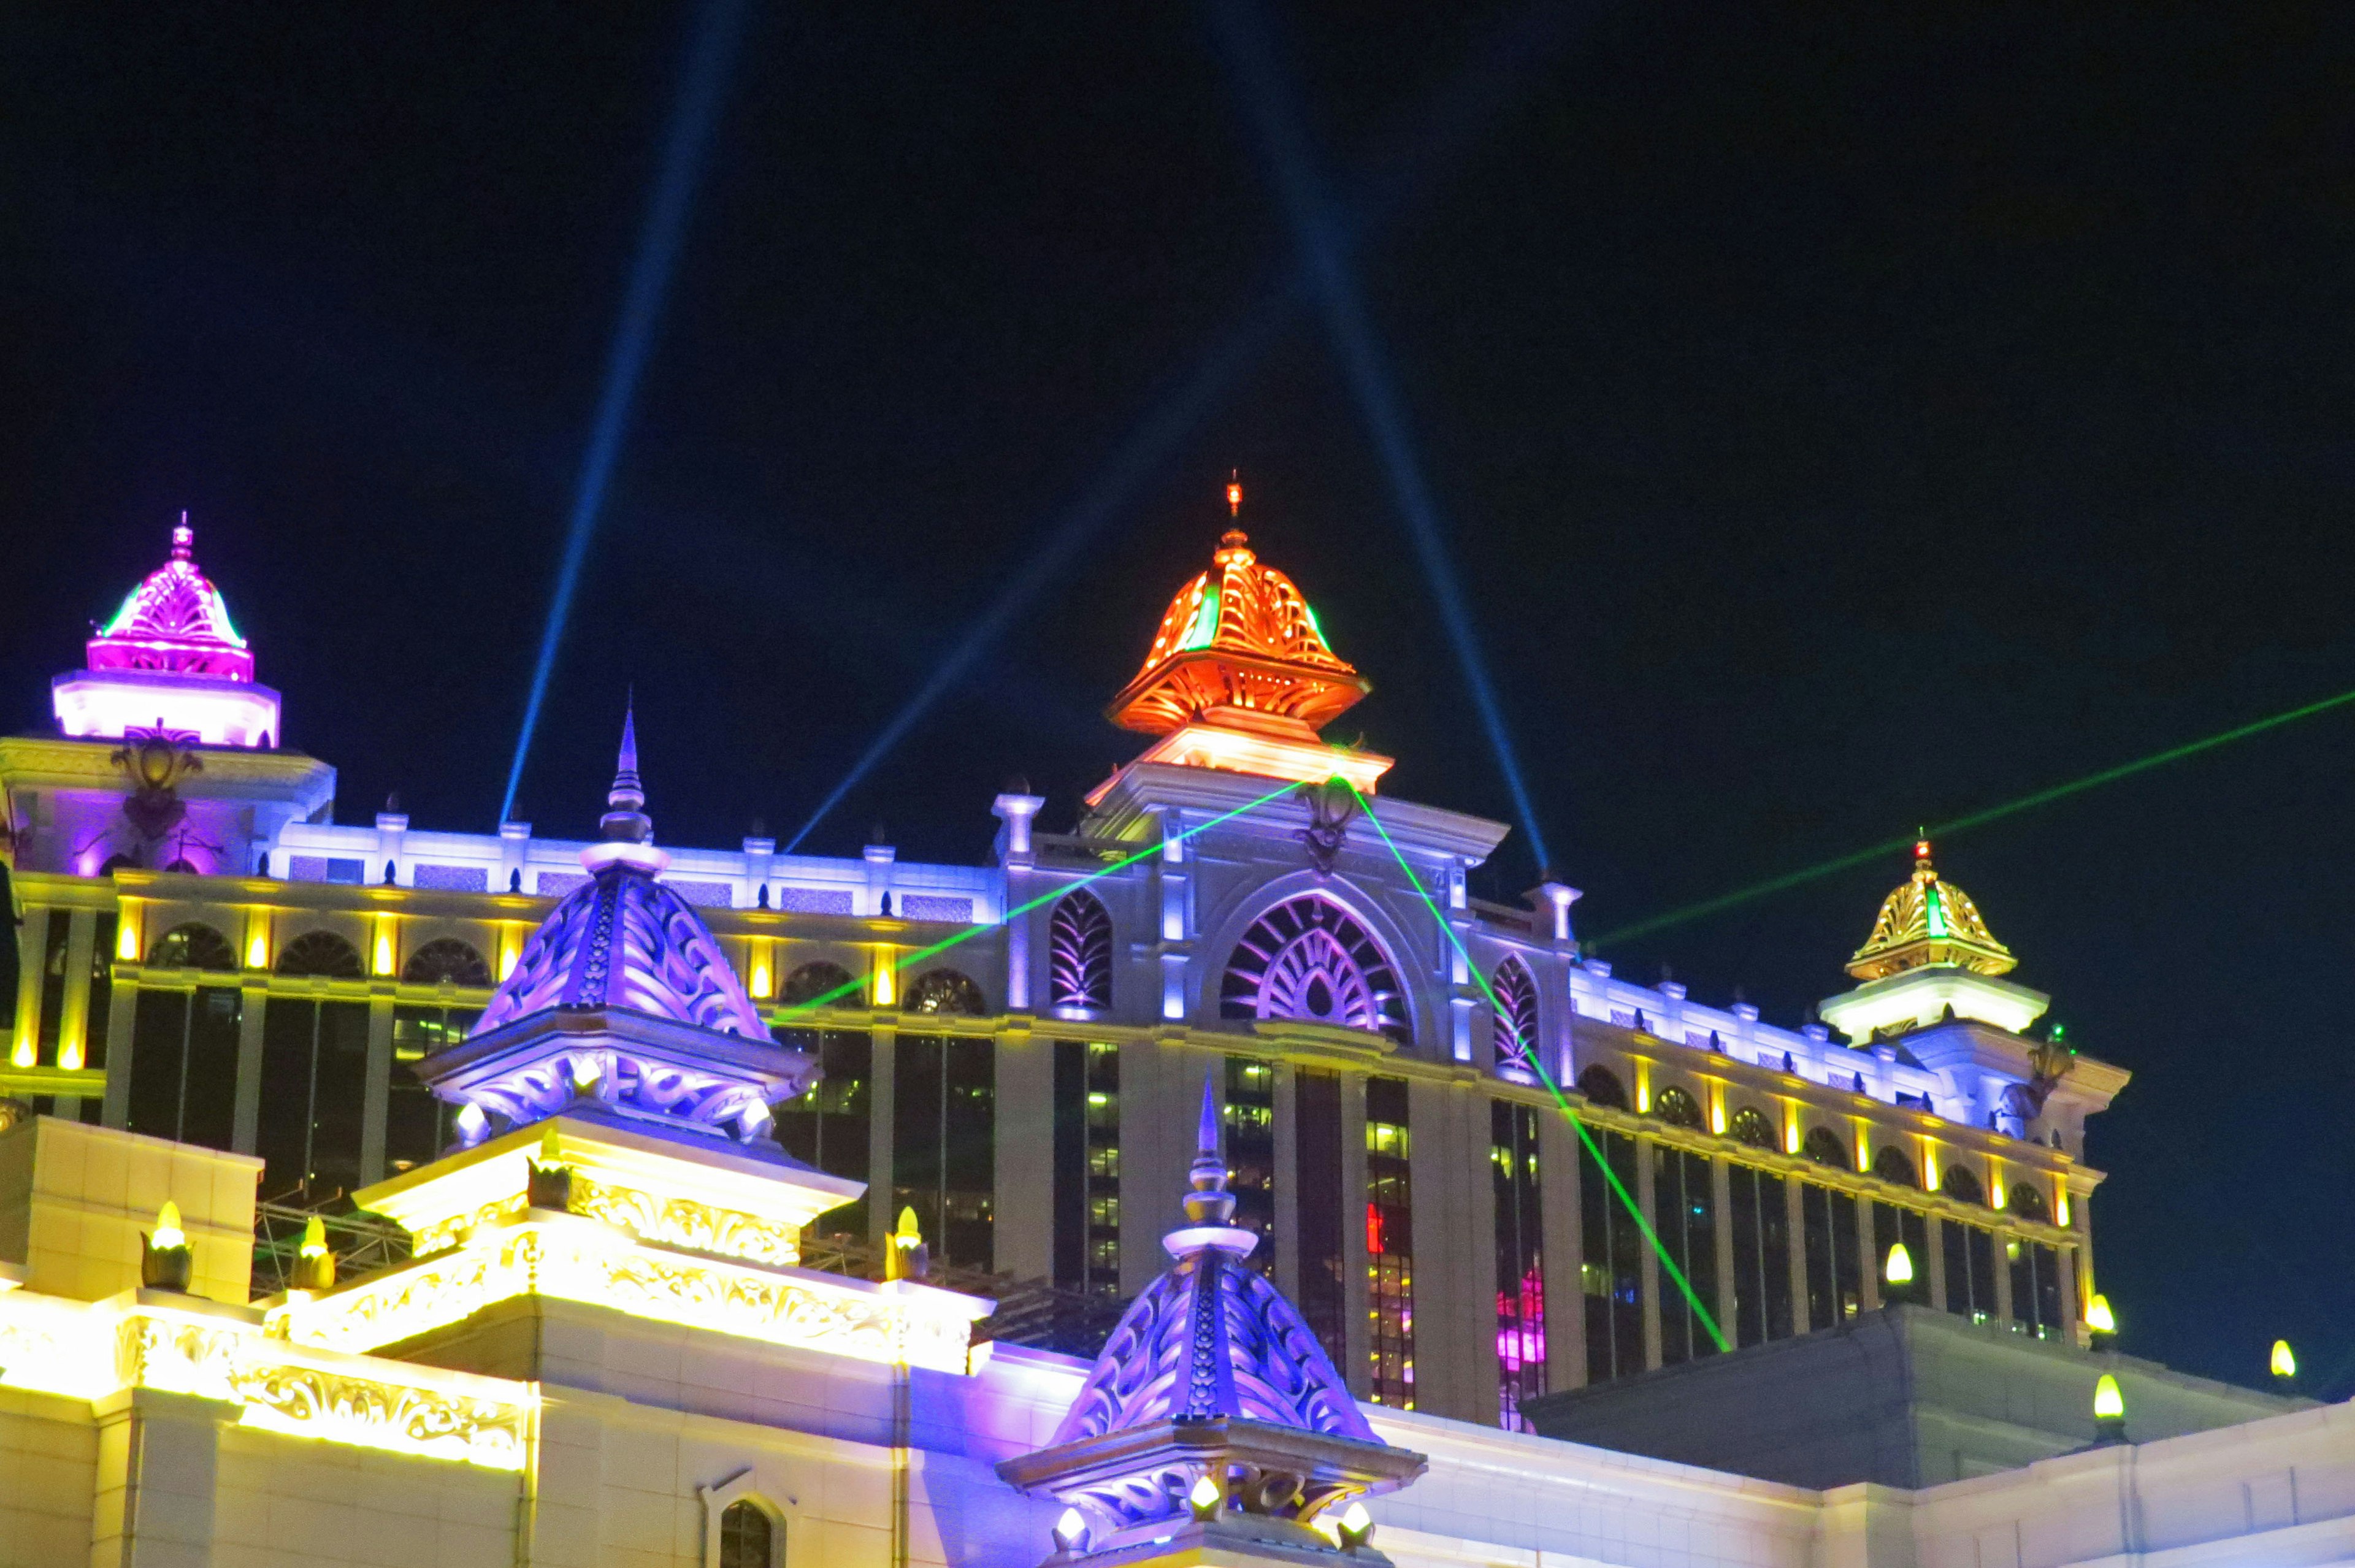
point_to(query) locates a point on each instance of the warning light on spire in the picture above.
(1235, 495)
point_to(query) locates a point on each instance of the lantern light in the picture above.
(2109, 1400)
(2285, 1365)
(2098, 1315)
(1070, 1532)
(1899, 1269)
(1208, 1500)
(1357, 1526)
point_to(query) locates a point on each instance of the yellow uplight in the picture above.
(760, 981)
(2061, 1209)
(1863, 1153)
(1899, 1269)
(383, 952)
(507, 957)
(1716, 1114)
(69, 1055)
(168, 1234)
(2098, 1315)
(2285, 1365)
(1792, 1140)
(886, 988)
(257, 950)
(1995, 1192)
(22, 1056)
(314, 1238)
(2109, 1401)
(126, 940)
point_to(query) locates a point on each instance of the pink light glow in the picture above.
(174, 622)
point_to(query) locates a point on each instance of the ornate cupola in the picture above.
(1929, 958)
(170, 662)
(622, 1006)
(615, 1148)
(1213, 1421)
(1240, 676)
(1925, 920)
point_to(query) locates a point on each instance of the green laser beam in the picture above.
(1707, 907)
(1708, 1318)
(826, 999)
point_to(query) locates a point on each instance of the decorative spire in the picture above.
(1210, 1205)
(183, 539)
(1235, 493)
(625, 820)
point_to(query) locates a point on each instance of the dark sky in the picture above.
(1843, 416)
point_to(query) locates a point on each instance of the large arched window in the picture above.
(944, 991)
(1892, 1166)
(445, 958)
(1306, 959)
(195, 945)
(1079, 956)
(321, 953)
(1958, 1183)
(1677, 1107)
(2029, 1203)
(1750, 1127)
(1824, 1147)
(1602, 1085)
(1517, 1016)
(810, 981)
(747, 1536)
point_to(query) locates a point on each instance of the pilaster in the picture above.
(1559, 1213)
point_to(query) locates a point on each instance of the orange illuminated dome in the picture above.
(1239, 646)
(1239, 678)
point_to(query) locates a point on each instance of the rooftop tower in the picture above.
(169, 661)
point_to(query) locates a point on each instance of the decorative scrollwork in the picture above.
(1308, 959)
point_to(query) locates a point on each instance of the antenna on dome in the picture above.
(183, 537)
(1234, 492)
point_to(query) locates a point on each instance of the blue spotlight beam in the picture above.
(1449, 124)
(1319, 236)
(710, 52)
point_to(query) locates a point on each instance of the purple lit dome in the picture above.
(624, 940)
(175, 622)
(1212, 1337)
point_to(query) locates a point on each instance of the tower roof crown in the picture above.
(1238, 640)
(173, 622)
(1925, 920)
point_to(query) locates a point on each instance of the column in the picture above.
(2003, 1238)
(1453, 1206)
(882, 1095)
(122, 1015)
(247, 1126)
(1026, 1155)
(32, 952)
(1795, 1211)
(1720, 1186)
(1565, 1284)
(1287, 1182)
(1356, 1295)
(1937, 1262)
(379, 1083)
(158, 1458)
(1869, 1258)
(1650, 1276)
(73, 1044)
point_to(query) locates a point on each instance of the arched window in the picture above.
(192, 946)
(117, 863)
(1824, 1147)
(1750, 1127)
(1892, 1166)
(1517, 1016)
(1602, 1085)
(2029, 1203)
(445, 958)
(1078, 955)
(184, 867)
(944, 991)
(1677, 1107)
(321, 953)
(1960, 1185)
(810, 981)
(1306, 959)
(748, 1537)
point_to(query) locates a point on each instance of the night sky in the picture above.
(1842, 417)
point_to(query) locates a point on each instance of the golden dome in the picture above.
(1926, 921)
(1240, 642)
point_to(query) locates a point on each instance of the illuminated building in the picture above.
(206, 955)
(1229, 1049)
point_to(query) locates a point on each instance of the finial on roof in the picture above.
(1209, 1202)
(626, 821)
(1234, 493)
(183, 537)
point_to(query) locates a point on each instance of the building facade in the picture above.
(1012, 1050)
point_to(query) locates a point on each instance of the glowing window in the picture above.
(1677, 1107)
(1517, 1016)
(1307, 959)
(944, 991)
(1078, 955)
